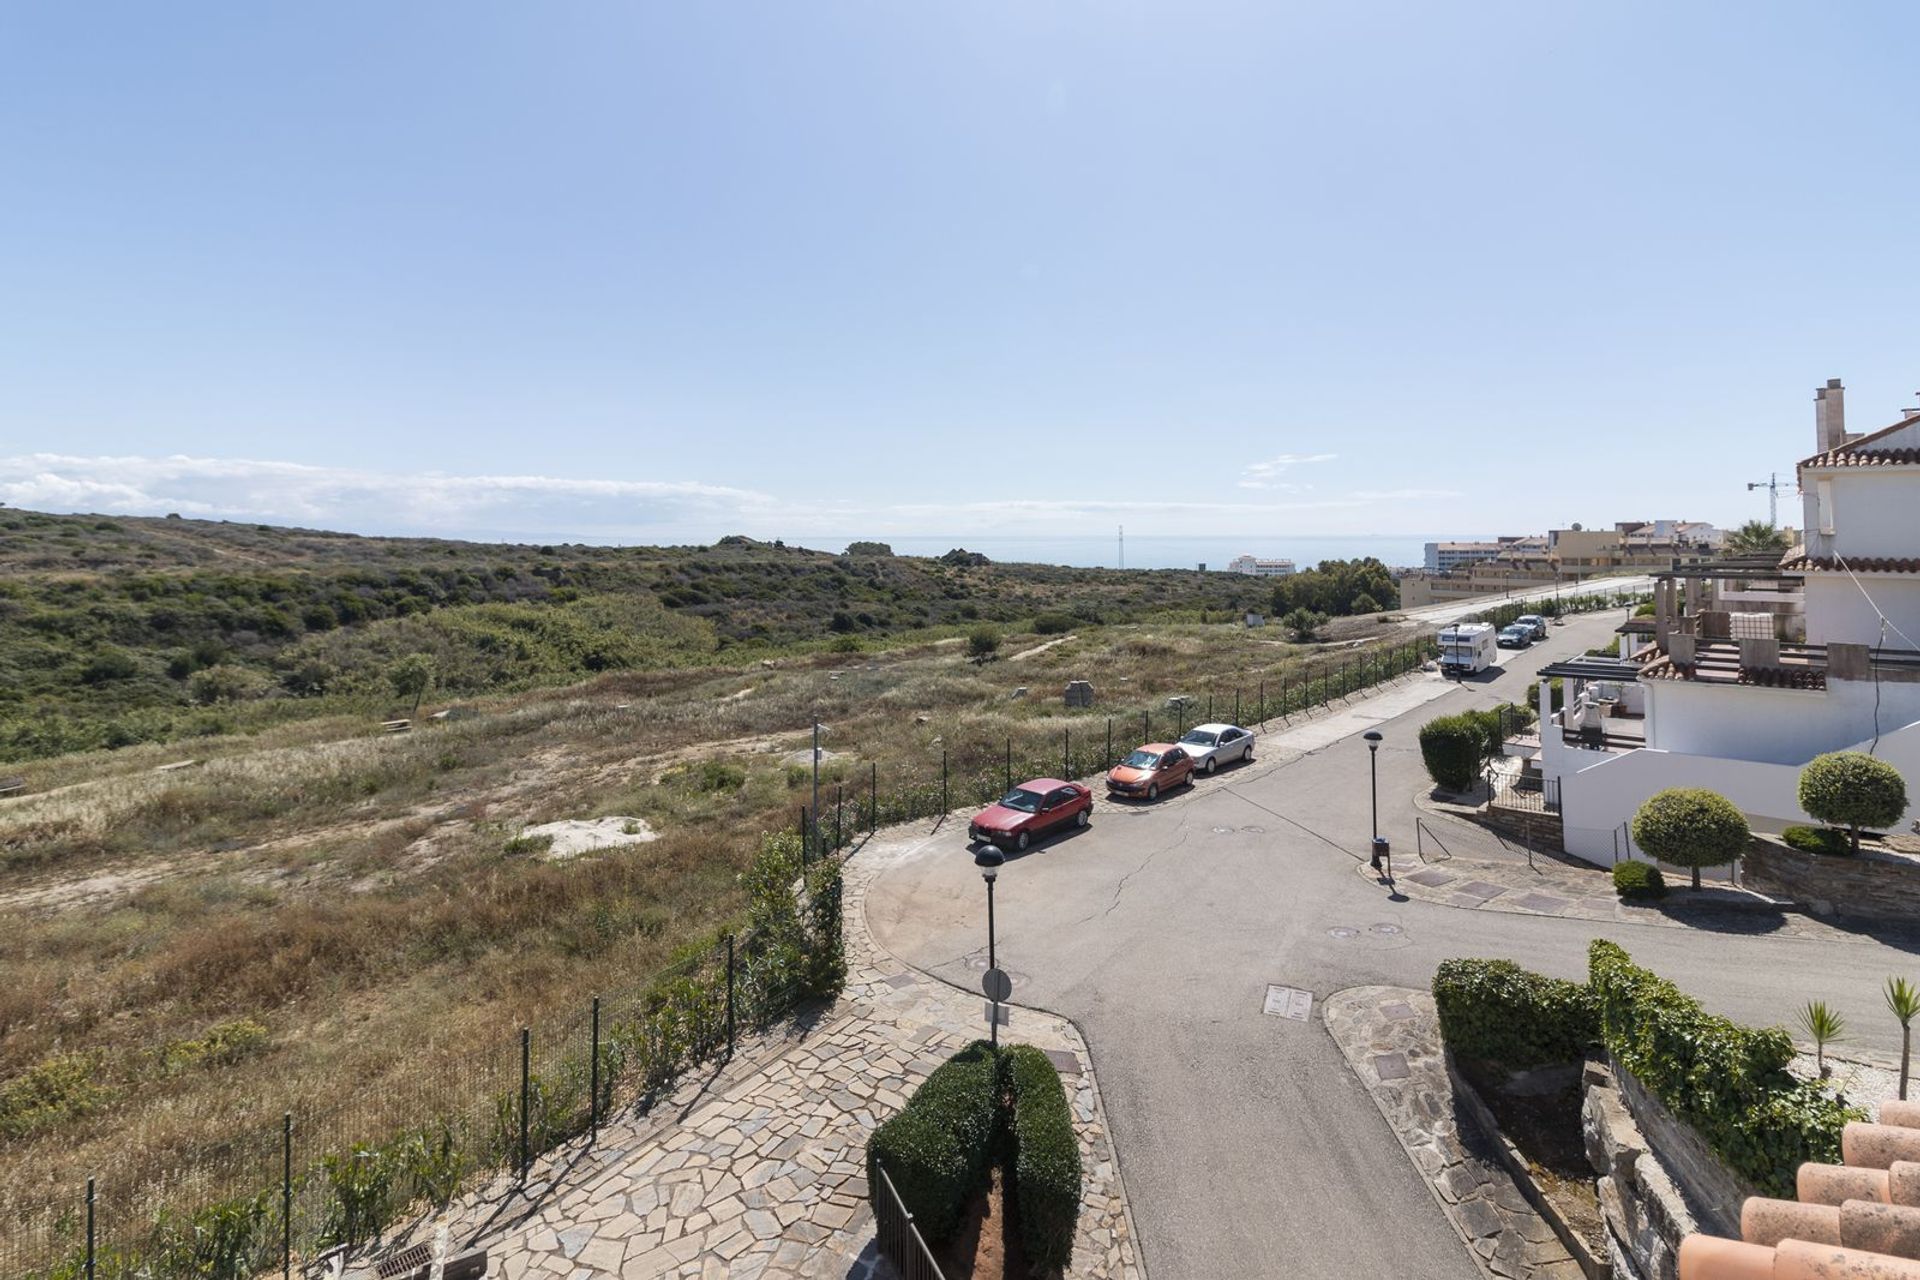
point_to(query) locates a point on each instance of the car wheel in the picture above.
(1153, 791)
(1212, 764)
(1248, 753)
(1083, 817)
(1021, 844)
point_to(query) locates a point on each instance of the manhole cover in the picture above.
(1342, 931)
(1287, 1002)
(1258, 831)
(1388, 929)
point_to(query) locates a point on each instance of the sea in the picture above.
(1146, 551)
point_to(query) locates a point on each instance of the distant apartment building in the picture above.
(1260, 568)
(1560, 555)
(1445, 557)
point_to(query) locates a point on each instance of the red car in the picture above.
(1030, 811)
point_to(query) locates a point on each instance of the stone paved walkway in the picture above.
(1390, 1036)
(758, 1168)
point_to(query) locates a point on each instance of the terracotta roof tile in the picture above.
(1863, 564)
(1861, 453)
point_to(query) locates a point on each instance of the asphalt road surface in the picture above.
(1248, 1147)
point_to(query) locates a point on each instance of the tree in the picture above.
(1303, 623)
(1335, 587)
(1824, 1027)
(1755, 537)
(1852, 789)
(982, 644)
(1364, 603)
(411, 677)
(1691, 827)
(869, 549)
(1903, 1002)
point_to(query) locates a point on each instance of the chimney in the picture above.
(1829, 416)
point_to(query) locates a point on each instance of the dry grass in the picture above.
(353, 893)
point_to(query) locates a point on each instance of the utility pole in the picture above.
(1123, 546)
(1772, 485)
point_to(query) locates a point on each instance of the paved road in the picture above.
(1434, 614)
(1247, 1145)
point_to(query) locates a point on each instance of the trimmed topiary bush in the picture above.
(1852, 789)
(1046, 1159)
(936, 1149)
(1691, 827)
(1452, 748)
(1729, 1082)
(1498, 1012)
(1639, 880)
(1817, 840)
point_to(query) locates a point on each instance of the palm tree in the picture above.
(1756, 537)
(1903, 1001)
(1824, 1027)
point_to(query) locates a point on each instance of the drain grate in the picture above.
(1342, 932)
(1388, 930)
(411, 1258)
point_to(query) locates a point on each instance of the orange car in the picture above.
(1150, 770)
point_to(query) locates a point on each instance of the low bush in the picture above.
(1046, 1160)
(1052, 624)
(1817, 840)
(936, 1148)
(1495, 1011)
(221, 1044)
(49, 1092)
(1729, 1082)
(1452, 748)
(1639, 880)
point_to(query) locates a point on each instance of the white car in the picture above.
(1212, 745)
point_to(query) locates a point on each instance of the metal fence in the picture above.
(899, 1239)
(1528, 792)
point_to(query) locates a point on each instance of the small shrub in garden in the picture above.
(1046, 1164)
(1639, 880)
(1852, 789)
(1452, 748)
(937, 1147)
(1817, 840)
(1498, 1012)
(1691, 827)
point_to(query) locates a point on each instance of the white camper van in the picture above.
(1467, 647)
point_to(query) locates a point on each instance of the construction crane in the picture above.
(1772, 485)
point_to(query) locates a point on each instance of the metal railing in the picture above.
(1523, 791)
(1423, 835)
(899, 1239)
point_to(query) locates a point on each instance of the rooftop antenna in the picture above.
(1772, 485)
(1123, 546)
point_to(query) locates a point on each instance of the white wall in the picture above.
(1780, 726)
(1837, 611)
(1596, 798)
(1873, 511)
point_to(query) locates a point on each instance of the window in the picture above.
(1825, 500)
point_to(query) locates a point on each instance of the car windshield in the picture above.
(1199, 738)
(1024, 801)
(1141, 760)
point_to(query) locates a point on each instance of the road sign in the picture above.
(996, 984)
(999, 1013)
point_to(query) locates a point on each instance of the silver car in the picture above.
(1212, 745)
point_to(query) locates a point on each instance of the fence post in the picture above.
(1283, 701)
(1260, 714)
(593, 1085)
(1146, 725)
(286, 1196)
(839, 813)
(1009, 786)
(873, 797)
(526, 1098)
(1209, 706)
(730, 1022)
(89, 1229)
(1236, 704)
(944, 805)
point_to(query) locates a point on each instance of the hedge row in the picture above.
(1729, 1082)
(937, 1147)
(1498, 1012)
(1046, 1161)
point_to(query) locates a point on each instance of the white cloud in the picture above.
(1403, 495)
(1266, 475)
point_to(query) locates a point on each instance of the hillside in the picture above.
(120, 630)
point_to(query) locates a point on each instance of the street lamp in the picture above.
(988, 859)
(1380, 848)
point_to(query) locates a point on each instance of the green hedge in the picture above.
(1729, 1082)
(937, 1147)
(1046, 1161)
(1500, 1013)
(1818, 840)
(1453, 747)
(1639, 880)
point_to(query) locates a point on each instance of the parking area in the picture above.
(1247, 1145)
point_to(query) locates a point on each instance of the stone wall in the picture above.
(1658, 1182)
(1874, 883)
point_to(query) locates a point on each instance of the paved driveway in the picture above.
(1247, 1146)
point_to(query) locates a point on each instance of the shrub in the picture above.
(522, 845)
(49, 1092)
(1729, 1082)
(1052, 624)
(1639, 880)
(1046, 1158)
(221, 1044)
(1691, 827)
(936, 1148)
(1453, 747)
(1817, 840)
(1303, 624)
(1498, 1012)
(1852, 789)
(982, 644)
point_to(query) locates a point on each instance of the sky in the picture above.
(649, 272)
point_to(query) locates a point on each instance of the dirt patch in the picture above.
(987, 1246)
(1545, 1127)
(572, 837)
(1024, 654)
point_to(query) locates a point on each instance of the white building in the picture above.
(1260, 568)
(1445, 557)
(1756, 666)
